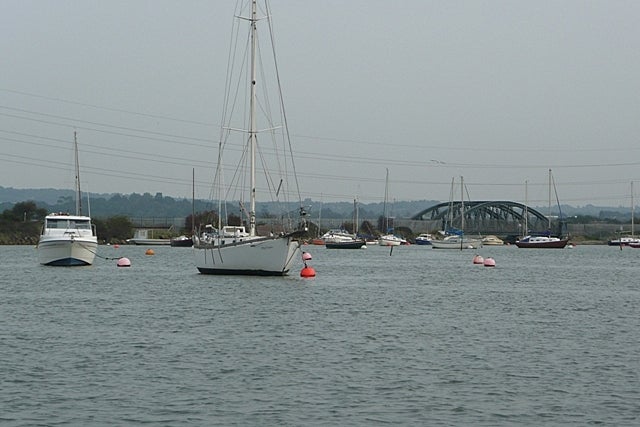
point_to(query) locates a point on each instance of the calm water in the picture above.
(422, 337)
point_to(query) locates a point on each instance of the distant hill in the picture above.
(159, 206)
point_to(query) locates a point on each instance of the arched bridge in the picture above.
(488, 217)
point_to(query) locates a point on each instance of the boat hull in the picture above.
(182, 242)
(261, 256)
(556, 244)
(456, 244)
(67, 252)
(355, 244)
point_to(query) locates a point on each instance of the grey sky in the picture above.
(495, 91)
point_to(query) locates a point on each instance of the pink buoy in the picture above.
(116, 246)
(478, 259)
(124, 262)
(489, 262)
(306, 256)
(307, 272)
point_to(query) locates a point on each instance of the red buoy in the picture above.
(307, 272)
(478, 259)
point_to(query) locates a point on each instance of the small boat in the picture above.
(388, 239)
(542, 242)
(424, 239)
(631, 240)
(347, 244)
(455, 238)
(337, 235)
(181, 242)
(457, 242)
(68, 240)
(624, 241)
(492, 240)
(145, 237)
(391, 240)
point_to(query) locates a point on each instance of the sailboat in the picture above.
(238, 248)
(347, 240)
(68, 240)
(456, 238)
(388, 239)
(631, 240)
(543, 240)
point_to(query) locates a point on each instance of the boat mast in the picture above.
(526, 208)
(78, 193)
(632, 211)
(462, 204)
(384, 206)
(549, 201)
(252, 121)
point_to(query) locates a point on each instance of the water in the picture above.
(421, 337)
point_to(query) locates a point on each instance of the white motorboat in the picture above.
(68, 240)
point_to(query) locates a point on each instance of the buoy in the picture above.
(124, 262)
(478, 259)
(116, 246)
(489, 262)
(306, 256)
(149, 252)
(307, 272)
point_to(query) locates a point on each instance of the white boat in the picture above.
(145, 237)
(631, 240)
(388, 239)
(68, 240)
(457, 242)
(337, 235)
(455, 239)
(391, 240)
(234, 249)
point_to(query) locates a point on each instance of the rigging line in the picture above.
(117, 110)
(66, 125)
(72, 119)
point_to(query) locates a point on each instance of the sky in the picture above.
(497, 92)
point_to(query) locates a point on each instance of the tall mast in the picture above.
(462, 203)
(78, 193)
(632, 211)
(526, 208)
(549, 200)
(252, 121)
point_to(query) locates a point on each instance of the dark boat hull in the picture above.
(356, 244)
(558, 244)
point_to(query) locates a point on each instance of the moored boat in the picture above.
(181, 242)
(68, 240)
(234, 249)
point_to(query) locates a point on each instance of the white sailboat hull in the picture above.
(457, 243)
(257, 256)
(67, 251)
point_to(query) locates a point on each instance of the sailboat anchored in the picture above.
(543, 240)
(68, 240)
(231, 248)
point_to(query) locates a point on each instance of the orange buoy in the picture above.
(489, 262)
(124, 262)
(478, 259)
(307, 272)
(149, 252)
